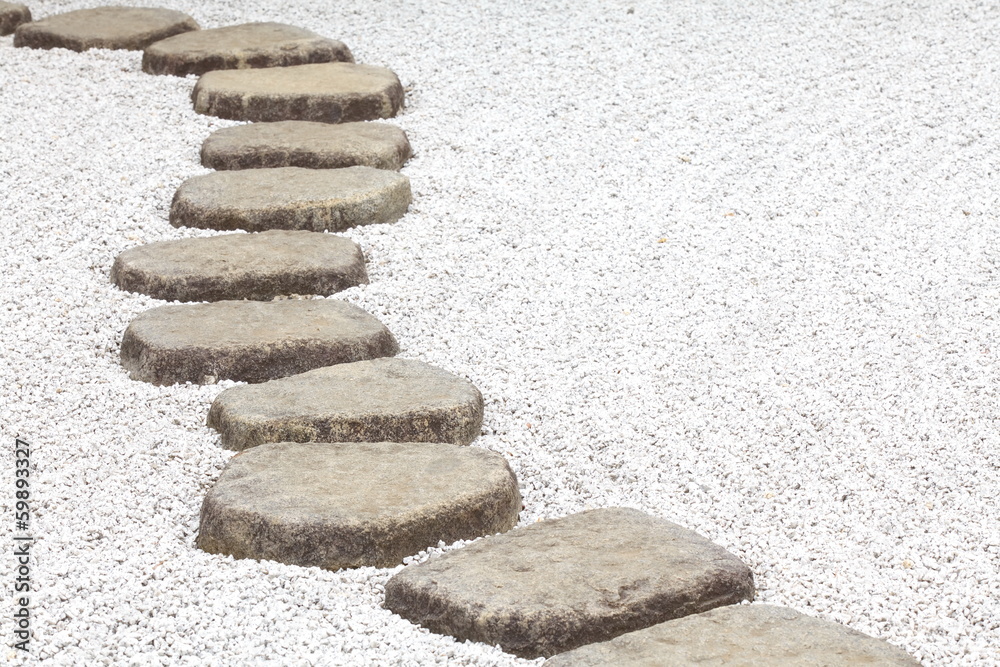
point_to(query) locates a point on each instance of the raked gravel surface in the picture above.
(734, 264)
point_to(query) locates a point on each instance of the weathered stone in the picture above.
(395, 400)
(245, 46)
(291, 198)
(12, 14)
(299, 143)
(355, 504)
(241, 266)
(740, 636)
(327, 93)
(249, 340)
(560, 584)
(131, 28)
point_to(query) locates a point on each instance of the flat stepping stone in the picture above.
(249, 340)
(355, 504)
(393, 400)
(291, 198)
(740, 636)
(326, 93)
(241, 266)
(299, 143)
(12, 15)
(130, 28)
(241, 47)
(560, 584)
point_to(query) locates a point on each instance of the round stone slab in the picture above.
(396, 400)
(291, 198)
(740, 636)
(241, 266)
(241, 47)
(326, 93)
(12, 15)
(299, 143)
(355, 504)
(132, 28)
(249, 340)
(560, 584)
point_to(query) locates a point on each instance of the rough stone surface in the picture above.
(113, 27)
(355, 504)
(740, 636)
(12, 15)
(299, 143)
(249, 340)
(326, 93)
(241, 266)
(560, 584)
(291, 198)
(245, 46)
(397, 400)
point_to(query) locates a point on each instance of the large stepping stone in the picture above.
(241, 47)
(12, 14)
(131, 28)
(326, 93)
(355, 504)
(291, 198)
(395, 400)
(249, 340)
(560, 584)
(740, 636)
(241, 266)
(299, 143)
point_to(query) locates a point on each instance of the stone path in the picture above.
(12, 15)
(132, 28)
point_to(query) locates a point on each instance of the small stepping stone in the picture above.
(741, 636)
(241, 266)
(326, 93)
(560, 584)
(299, 143)
(131, 28)
(249, 340)
(291, 198)
(12, 15)
(241, 47)
(394, 400)
(355, 504)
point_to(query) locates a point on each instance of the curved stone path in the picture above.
(130, 28)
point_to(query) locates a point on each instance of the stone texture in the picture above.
(114, 27)
(249, 340)
(740, 636)
(291, 198)
(355, 504)
(560, 584)
(241, 266)
(397, 400)
(12, 15)
(299, 143)
(244, 46)
(326, 93)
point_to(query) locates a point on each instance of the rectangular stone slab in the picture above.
(111, 27)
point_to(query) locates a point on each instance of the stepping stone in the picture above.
(560, 584)
(355, 504)
(291, 198)
(740, 636)
(326, 93)
(299, 143)
(241, 47)
(395, 400)
(249, 340)
(131, 28)
(241, 266)
(12, 15)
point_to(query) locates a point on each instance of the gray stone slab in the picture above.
(740, 636)
(326, 93)
(395, 400)
(560, 584)
(300, 143)
(245, 46)
(12, 14)
(241, 266)
(249, 340)
(291, 198)
(112, 27)
(355, 504)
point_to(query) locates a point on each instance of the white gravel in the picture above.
(731, 263)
